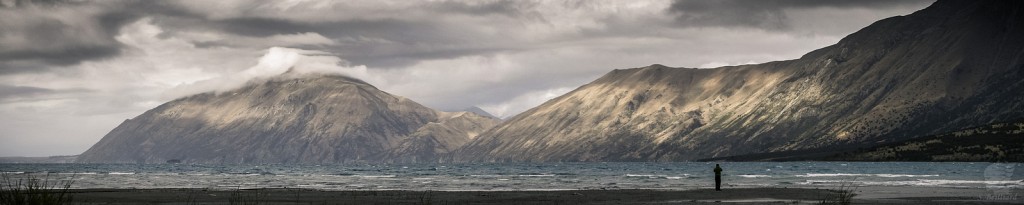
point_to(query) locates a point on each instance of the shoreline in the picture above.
(864, 195)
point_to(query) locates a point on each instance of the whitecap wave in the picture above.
(645, 175)
(863, 175)
(829, 175)
(906, 175)
(79, 173)
(922, 182)
(376, 176)
(536, 175)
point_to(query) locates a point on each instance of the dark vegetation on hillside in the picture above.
(1000, 142)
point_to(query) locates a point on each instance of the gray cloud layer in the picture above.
(764, 14)
(37, 35)
(9, 91)
(72, 70)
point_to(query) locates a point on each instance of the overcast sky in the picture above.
(70, 71)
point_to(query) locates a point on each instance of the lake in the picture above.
(543, 176)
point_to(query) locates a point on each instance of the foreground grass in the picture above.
(34, 191)
(843, 195)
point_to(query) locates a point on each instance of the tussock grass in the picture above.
(247, 197)
(34, 191)
(843, 195)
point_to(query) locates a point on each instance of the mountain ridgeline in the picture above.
(953, 65)
(289, 119)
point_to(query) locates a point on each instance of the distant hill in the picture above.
(432, 142)
(47, 160)
(953, 65)
(311, 119)
(478, 111)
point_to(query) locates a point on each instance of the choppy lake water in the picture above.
(546, 176)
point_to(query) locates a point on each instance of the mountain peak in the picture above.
(657, 66)
(479, 111)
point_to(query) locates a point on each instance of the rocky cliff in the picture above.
(287, 119)
(953, 65)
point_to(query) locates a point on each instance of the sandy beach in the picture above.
(865, 195)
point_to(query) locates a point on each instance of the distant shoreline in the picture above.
(870, 195)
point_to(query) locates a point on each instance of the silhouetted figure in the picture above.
(718, 178)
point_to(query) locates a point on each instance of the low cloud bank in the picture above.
(276, 61)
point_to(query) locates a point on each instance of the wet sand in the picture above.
(865, 195)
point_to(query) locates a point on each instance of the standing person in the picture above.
(718, 178)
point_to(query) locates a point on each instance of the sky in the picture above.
(70, 71)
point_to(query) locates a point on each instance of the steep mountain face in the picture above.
(288, 119)
(953, 65)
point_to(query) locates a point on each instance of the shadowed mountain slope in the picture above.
(953, 65)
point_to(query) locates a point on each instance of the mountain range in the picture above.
(948, 67)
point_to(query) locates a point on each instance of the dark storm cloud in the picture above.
(17, 3)
(29, 61)
(764, 14)
(39, 35)
(60, 46)
(505, 7)
(43, 35)
(395, 57)
(395, 30)
(10, 91)
(46, 61)
(377, 43)
(389, 42)
(261, 27)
